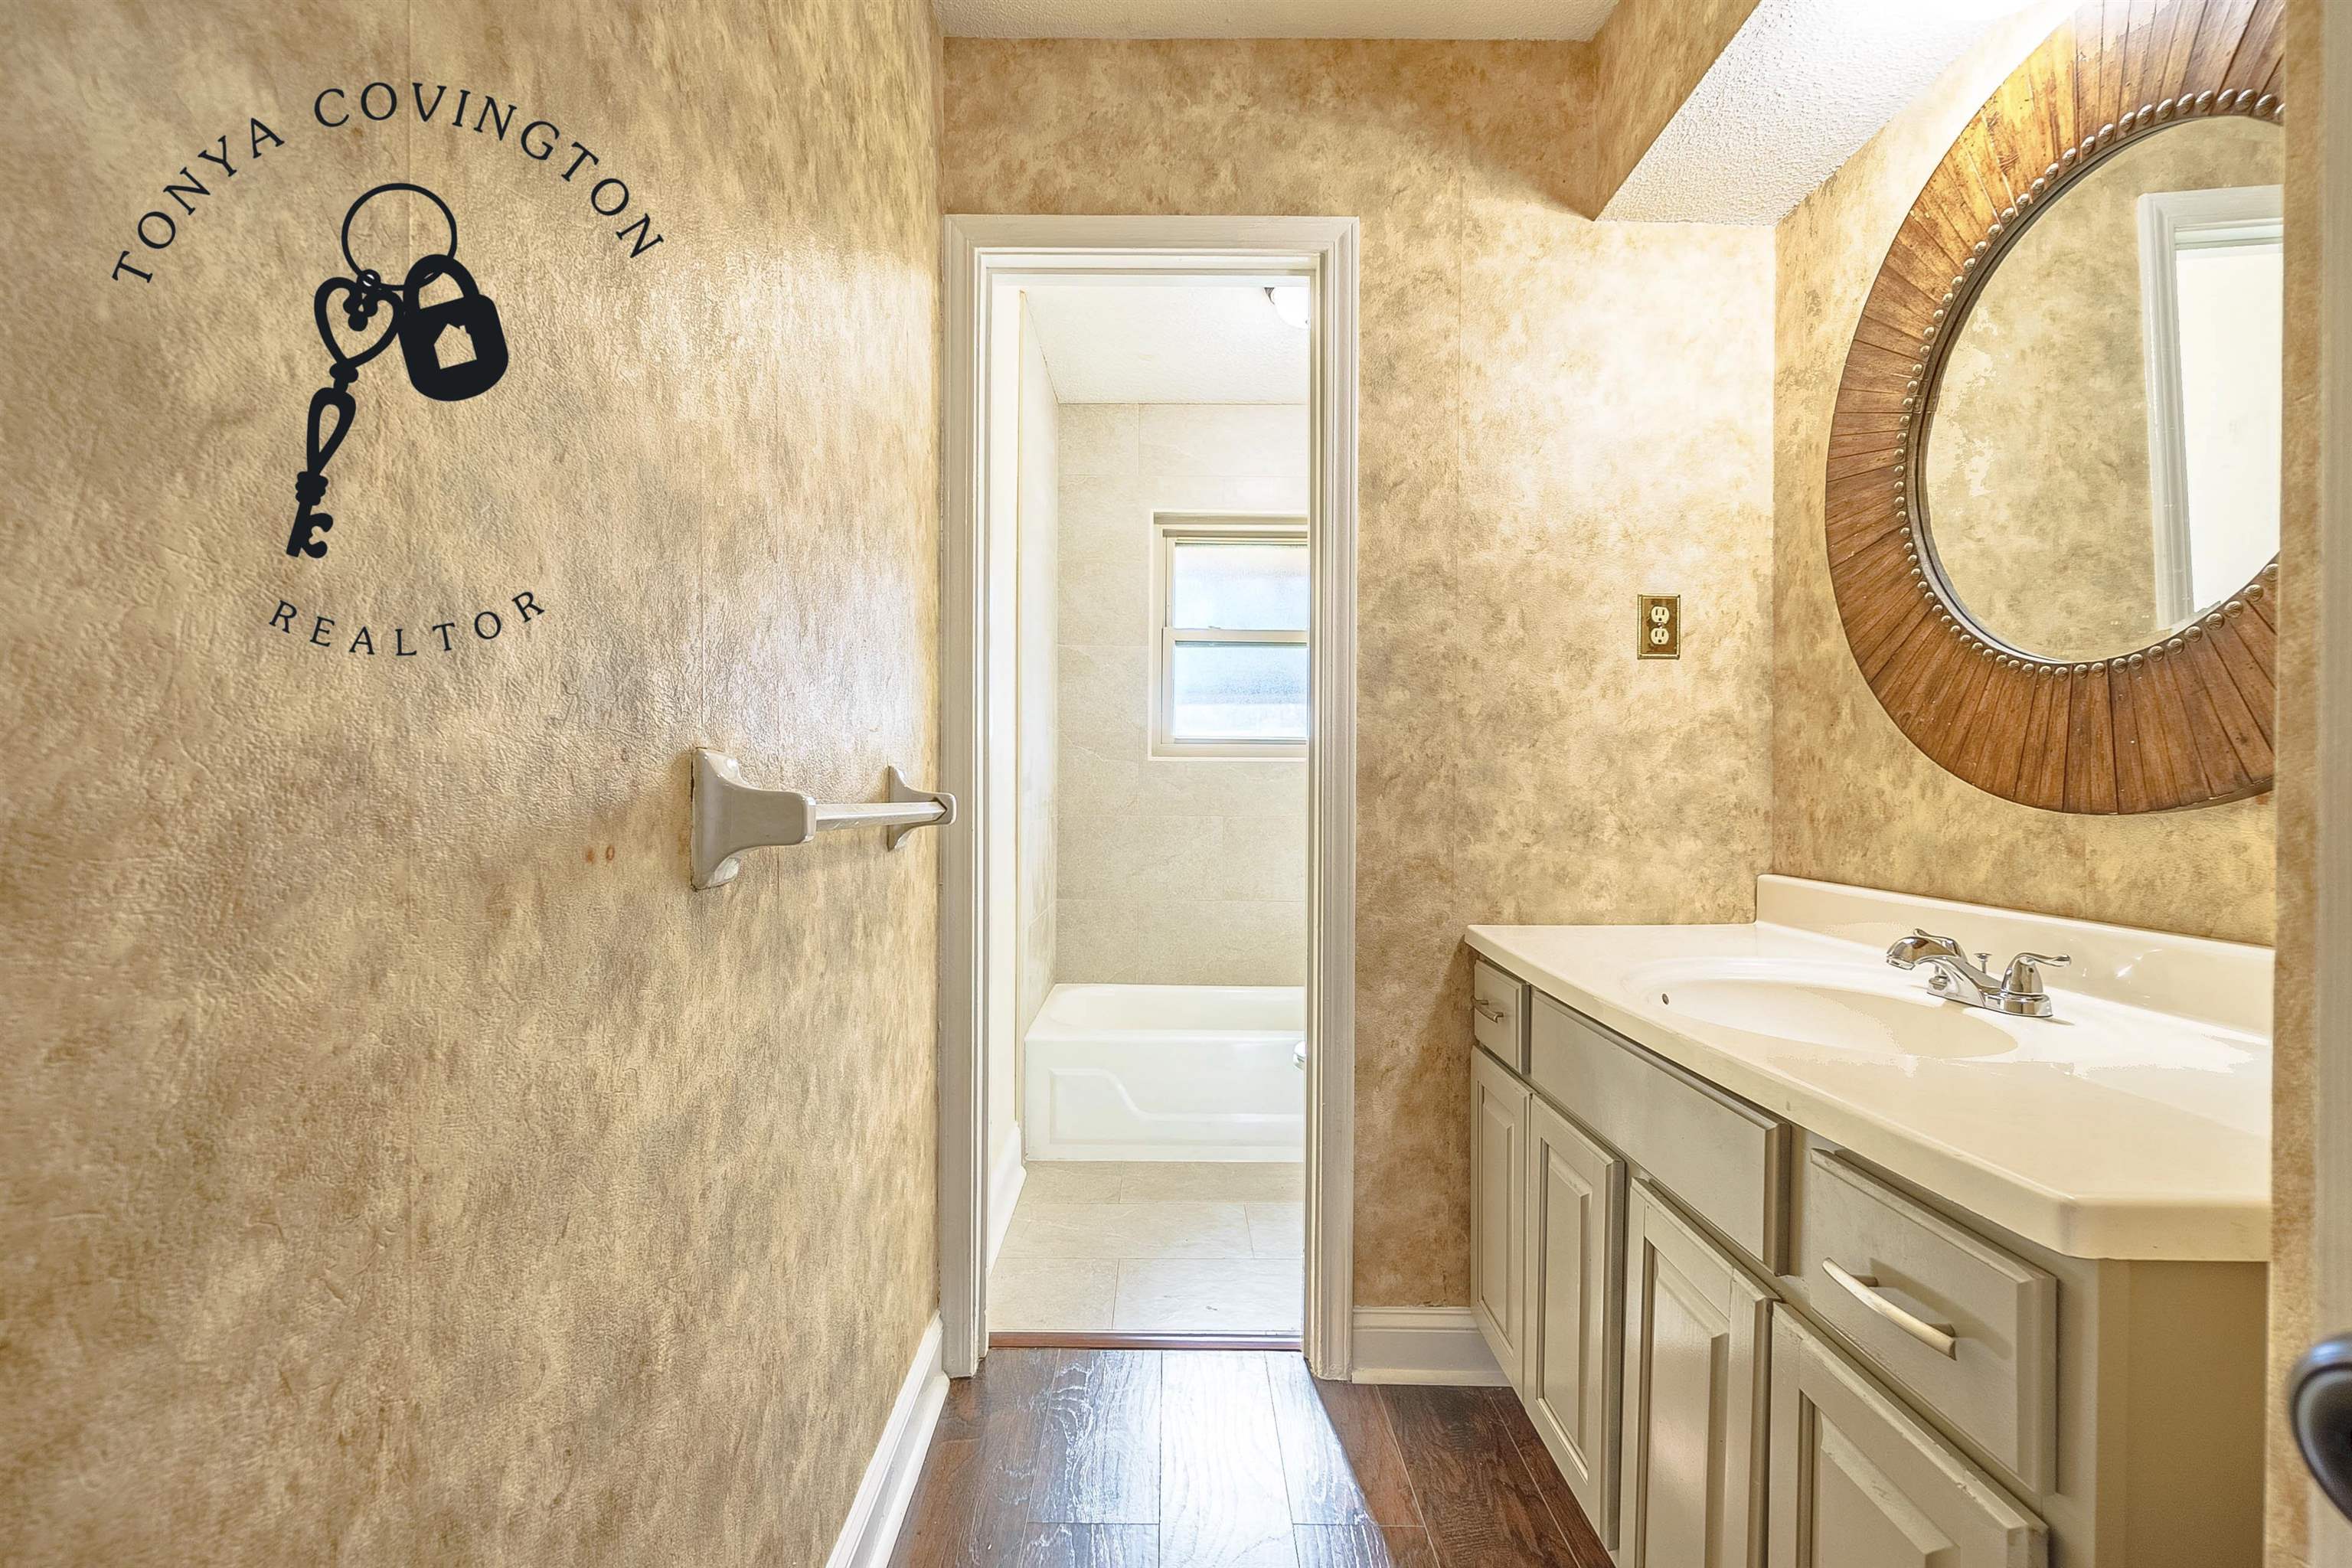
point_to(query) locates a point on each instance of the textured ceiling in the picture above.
(1274, 18)
(1801, 88)
(1168, 343)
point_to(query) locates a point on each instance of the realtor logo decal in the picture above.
(453, 342)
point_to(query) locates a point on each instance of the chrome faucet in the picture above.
(2018, 993)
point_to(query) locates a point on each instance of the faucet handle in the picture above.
(2024, 976)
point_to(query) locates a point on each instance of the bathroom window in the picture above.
(1232, 676)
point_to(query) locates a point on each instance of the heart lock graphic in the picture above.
(454, 349)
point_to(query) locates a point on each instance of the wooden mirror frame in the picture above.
(2185, 721)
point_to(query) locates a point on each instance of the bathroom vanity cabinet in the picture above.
(1746, 1346)
(1498, 1136)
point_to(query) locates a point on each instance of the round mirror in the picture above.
(2101, 463)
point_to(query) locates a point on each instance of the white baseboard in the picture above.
(1423, 1345)
(871, 1531)
(1004, 1191)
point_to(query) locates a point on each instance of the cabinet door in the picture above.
(1499, 1145)
(1860, 1482)
(1696, 1353)
(1575, 1259)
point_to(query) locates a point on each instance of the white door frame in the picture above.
(978, 254)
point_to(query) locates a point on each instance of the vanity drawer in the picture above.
(1724, 1159)
(1967, 1328)
(1498, 1013)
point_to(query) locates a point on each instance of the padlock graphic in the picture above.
(455, 348)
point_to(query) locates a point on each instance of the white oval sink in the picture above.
(1842, 1005)
(2134, 1123)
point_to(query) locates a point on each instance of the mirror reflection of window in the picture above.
(2100, 461)
(2212, 266)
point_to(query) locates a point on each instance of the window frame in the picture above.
(1170, 530)
(2171, 223)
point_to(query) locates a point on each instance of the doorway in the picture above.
(1078, 1085)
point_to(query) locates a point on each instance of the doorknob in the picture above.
(2319, 1406)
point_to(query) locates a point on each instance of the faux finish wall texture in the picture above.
(1556, 415)
(1854, 800)
(1646, 60)
(2292, 1504)
(399, 1163)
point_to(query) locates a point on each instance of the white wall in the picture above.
(2232, 315)
(1171, 872)
(1036, 668)
(1001, 1030)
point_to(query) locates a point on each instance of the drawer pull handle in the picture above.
(1863, 1287)
(1491, 1015)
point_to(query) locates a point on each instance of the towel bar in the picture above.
(731, 816)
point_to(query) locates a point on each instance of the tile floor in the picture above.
(1153, 1248)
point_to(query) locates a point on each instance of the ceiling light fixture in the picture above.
(1292, 303)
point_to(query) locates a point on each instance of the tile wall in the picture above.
(1176, 871)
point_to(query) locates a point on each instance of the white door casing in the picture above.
(978, 254)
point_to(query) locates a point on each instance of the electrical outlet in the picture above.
(1661, 625)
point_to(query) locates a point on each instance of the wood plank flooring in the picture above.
(1086, 1458)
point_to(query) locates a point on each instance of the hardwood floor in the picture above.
(1068, 1458)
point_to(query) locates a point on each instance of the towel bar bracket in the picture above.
(899, 792)
(732, 816)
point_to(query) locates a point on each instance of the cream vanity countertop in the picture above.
(2135, 1124)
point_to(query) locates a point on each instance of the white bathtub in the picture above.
(1166, 1073)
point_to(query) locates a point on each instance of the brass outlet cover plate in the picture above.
(1660, 632)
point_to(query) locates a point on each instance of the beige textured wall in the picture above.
(1645, 61)
(2037, 483)
(399, 1163)
(1555, 416)
(2289, 1497)
(1175, 872)
(1851, 795)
